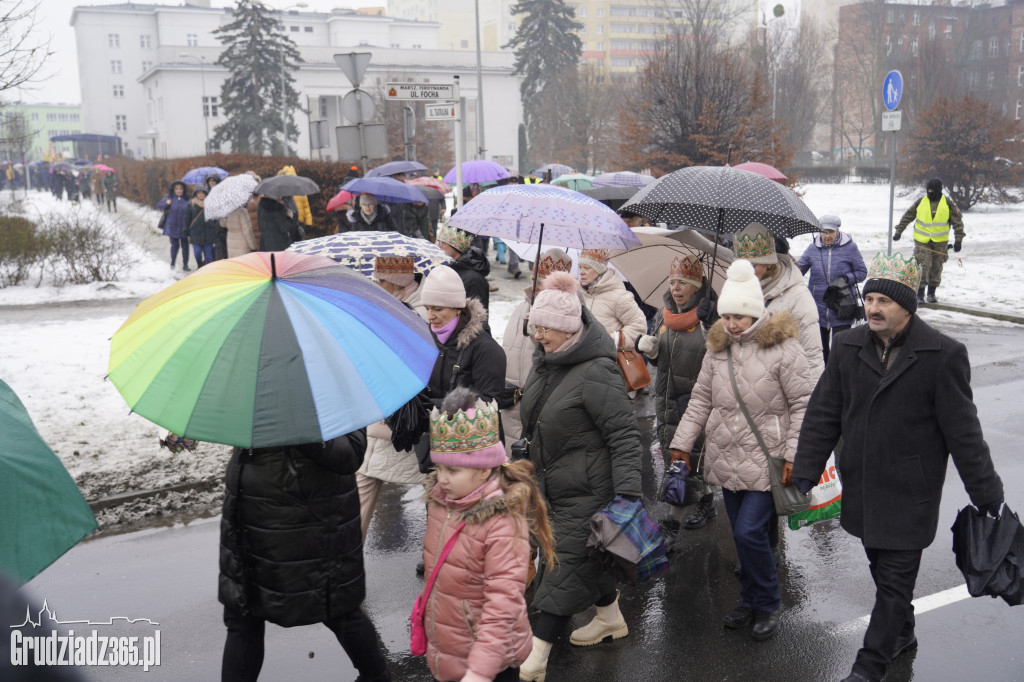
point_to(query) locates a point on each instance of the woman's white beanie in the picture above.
(741, 293)
(443, 288)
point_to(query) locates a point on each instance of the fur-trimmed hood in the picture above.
(476, 317)
(768, 330)
(481, 509)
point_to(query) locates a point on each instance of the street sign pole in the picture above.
(362, 133)
(458, 146)
(892, 93)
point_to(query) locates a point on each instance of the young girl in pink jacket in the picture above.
(476, 617)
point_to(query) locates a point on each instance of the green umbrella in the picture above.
(43, 512)
(575, 181)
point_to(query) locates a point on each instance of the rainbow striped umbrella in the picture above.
(270, 349)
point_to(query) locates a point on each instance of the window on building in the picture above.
(913, 47)
(890, 16)
(993, 47)
(121, 122)
(600, 29)
(888, 45)
(115, 66)
(917, 19)
(991, 81)
(294, 29)
(464, 44)
(619, 11)
(145, 41)
(51, 117)
(1017, 114)
(1020, 76)
(113, 40)
(600, 11)
(931, 30)
(976, 48)
(118, 91)
(417, 46)
(581, 11)
(35, 116)
(600, 45)
(146, 66)
(307, 29)
(899, 45)
(210, 107)
(949, 31)
(972, 80)
(323, 107)
(395, 46)
(1022, 41)
(192, 40)
(622, 61)
(622, 28)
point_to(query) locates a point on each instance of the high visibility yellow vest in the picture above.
(531, 181)
(929, 229)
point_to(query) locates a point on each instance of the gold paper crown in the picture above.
(897, 268)
(686, 268)
(393, 265)
(757, 245)
(456, 238)
(596, 255)
(462, 433)
(548, 264)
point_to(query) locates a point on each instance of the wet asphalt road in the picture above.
(169, 575)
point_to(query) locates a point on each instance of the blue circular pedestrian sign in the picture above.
(892, 90)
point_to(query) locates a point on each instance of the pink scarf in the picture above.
(445, 332)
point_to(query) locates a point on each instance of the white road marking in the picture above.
(921, 605)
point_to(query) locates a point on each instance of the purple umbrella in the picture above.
(622, 179)
(478, 171)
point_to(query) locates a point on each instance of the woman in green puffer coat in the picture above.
(586, 448)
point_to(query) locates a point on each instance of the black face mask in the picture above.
(934, 195)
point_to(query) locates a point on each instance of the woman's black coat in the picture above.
(290, 541)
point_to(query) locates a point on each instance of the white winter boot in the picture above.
(607, 623)
(535, 667)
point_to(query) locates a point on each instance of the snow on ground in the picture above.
(56, 358)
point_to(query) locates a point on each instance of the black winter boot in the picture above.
(705, 512)
(920, 294)
(931, 295)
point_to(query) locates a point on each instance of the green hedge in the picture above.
(146, 182)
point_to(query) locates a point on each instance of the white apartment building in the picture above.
(148, 74)
(457, 19)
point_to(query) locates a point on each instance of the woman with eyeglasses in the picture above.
(586, 448)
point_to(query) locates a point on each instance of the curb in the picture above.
(125, 498)
(978, 312)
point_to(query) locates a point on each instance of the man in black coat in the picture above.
(470, 263)
(899, 394)
(291, 551)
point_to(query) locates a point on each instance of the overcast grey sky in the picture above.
(59, 81)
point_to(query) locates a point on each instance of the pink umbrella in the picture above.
(770, 172)
(339, 200)
(426, 181)
(103, 168)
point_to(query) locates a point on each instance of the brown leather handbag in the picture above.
(632, 366)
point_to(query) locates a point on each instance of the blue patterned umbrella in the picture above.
(526, 212)
(358, 249)
(481, 170)
(197, 176)
(622, 179)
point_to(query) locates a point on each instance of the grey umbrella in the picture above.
(611, 196)
(723, 199)
(287, 186)
(393, 167)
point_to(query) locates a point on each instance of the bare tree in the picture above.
(577, 119)
(22, 52)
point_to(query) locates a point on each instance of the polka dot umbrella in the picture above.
(723, 199)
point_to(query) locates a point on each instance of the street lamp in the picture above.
(778, 11)
(284, 102)
(202, 77)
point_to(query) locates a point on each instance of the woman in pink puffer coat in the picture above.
(476, 618)
(774, 381)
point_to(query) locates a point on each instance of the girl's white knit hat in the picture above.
(741, 293)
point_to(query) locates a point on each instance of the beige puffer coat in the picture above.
(615, 308)
(476, 617)
(775, 383)
(241, 239)
(788, 292)
(518, 362)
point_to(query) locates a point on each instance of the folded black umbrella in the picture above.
(409, 423)
(990, 553)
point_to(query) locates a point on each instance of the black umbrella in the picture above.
(990, 553)
(287, 186)
(723, 199)
(612, 196)
(393, 167)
